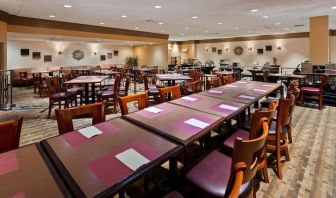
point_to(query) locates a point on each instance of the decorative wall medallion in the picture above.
(238, 50)
(78, 54)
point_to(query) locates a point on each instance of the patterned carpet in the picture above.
(311, 172)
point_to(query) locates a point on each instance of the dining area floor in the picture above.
(311, 171)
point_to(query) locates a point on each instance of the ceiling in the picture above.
(56, 38)
(235, 16)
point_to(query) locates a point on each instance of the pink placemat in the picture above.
(75, 139)
(8, 162)
(109, 170)
(244, 99)
(187, 128)
(19, 195)
(187, 102)
(149, 115)
(226, 111)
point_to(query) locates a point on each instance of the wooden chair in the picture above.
(57, 97)
(212, 173)
(315, 93)
(277, 139)
(197, 86)
(10, 131)
(124, 91)
(141, 98)
(188, 88)
(213, 83)
(252, 134)
(174, 90)
(111, 96)
(152, 89)
(64, 116)
(228, 79)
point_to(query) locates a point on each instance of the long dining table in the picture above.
(91, 167)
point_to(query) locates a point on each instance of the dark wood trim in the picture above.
(332, 32)
(3, 16)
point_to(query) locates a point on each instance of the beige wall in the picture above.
(319, 40)
(152, 55)
(15, 60)
(183, 51)
(3, 39)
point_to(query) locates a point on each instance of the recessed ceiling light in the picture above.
(249, 31)
(160, 23)
(277, 23)
(255, 10)
(182, 34)
(136, 28)
(162, 31)
(127, 42)
(151, 43)
(101, 23)
(334, 7)
(52, 16)
(236, 28)
(286, 28)
(265, 17)
(195, 17)
(157, 6)
(205, 31)
(68, 6)
(219, 23)
(123, 16)
(186, 28)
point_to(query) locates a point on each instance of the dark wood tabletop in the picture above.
(89, 166)
(87, 79)
(26, 172)
(174, 76)
(223, 108)
(170, 123)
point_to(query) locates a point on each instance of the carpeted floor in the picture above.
(311, 172)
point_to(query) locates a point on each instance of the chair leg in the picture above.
(321, 102)
(255, 187)
(289, 132)
(265, 171)
(278, 159)
(49, 112)
(302, 99)
(287, 154)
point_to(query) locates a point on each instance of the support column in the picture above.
(319, 40)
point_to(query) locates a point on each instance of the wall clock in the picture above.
(238, 50)
(78, 54)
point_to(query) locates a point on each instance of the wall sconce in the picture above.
(94, 53)
(279, 48)
(249, 48)
(60, 52)
(206, 49)
(226, 49)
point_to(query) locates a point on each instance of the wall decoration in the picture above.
(115, 52)
(47, 58)
(260, 51)
(36, 55)
(219, 51)
(214, 50)
(109, 55)
(238, 50)
(268, 48)
(24, 52)
(103, 57)
(78, 54)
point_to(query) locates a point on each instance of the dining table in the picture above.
(27, 172)
(102, 160)
(172, 78)
(86, 80)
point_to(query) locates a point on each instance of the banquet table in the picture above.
(171, 78)
(91, 167)
(86, 80)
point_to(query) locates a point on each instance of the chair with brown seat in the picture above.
(315, 93)
(197, 86)
(56, 96)
(152, 89)
(124, 90)
(188, 88)
(277, 139)
(252, 134)
(64, 116)
(212, 173)
(111, 96)
(173, 90)
(10, 131)
(228, 79)
(213, 83)
(141, 98)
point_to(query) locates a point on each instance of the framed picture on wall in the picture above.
(260, 51)
(103, 57)
(47, 58)
(36, 55)
(268, 47)
(115, 52)
(24, 52)
(109, 55)
(214, 50)
(219, 51)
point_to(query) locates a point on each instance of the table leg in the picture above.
(173, 173)
(93, 90)
(86, 87)
(134, 81)
(170, 84)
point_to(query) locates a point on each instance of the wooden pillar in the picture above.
(319, 40)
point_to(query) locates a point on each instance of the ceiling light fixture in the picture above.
(286, 28)
(255, 10)
(265, 17)
(205, 31)
(236, 28)
(157, 6)
(334, 7)
(195, 17)
(68, 6)
(162, 31)
(277, 23)
(136, 28)
(186, 28)
(101, 23)
(52, 16)
(160, 23)
(219, 23)
(249, 31)
(182, 34)
(123, 16)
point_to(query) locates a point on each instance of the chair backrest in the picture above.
(174, 90)
(212, 83)
(127, 85)
(188, 88)
(23, 74)
(141, 98)
(323, 82)
(197, 86)
(284, 112)
(228, 79)
(10, 134)
(255, 128)
(266, 75)
(64, 116)
(145, 80)
(53, 84)
(246, 154)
